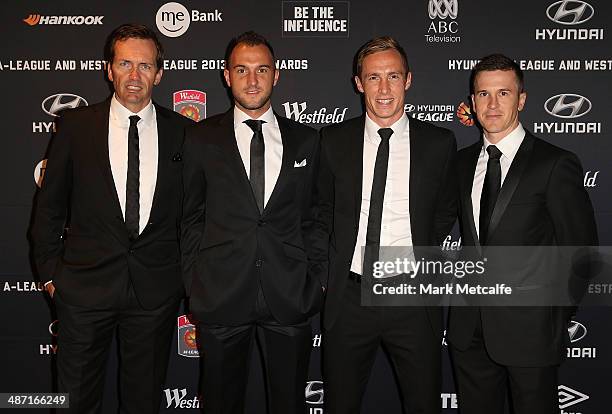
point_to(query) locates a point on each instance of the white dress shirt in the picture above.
(273, 146)
(118, 126)
(508, 146)
(395, 226)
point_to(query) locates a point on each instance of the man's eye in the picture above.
(145, 67)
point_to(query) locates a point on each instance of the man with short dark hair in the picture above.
(114, 179)
(385, 180)
(245, 227)
(515, 190)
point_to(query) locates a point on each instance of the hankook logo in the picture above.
(569, 397)
(443, 9)
(570, 12)
(576, 331)
(314, 392)
(53, 104)
(567, 105)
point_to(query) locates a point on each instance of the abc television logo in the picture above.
(443, 8)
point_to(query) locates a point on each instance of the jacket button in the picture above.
(258, 262)
(131, 251)
(261, 223)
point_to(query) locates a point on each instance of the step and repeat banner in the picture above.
(52, 58)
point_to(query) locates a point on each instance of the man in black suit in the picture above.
(515, 190)
(384, 180)
(246, 218)
(114, 177)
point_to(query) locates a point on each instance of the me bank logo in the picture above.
(173, 19)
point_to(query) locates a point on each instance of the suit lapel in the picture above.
(510, 182)
(466, 185)
(289, 152)
(227, 141)
(164, 148)
(99, 134)
(417, 165)
(355, 147)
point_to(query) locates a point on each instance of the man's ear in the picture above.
(358, 84)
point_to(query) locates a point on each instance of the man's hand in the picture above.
(50, 289)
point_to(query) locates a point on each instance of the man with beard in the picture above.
(246, 216)
(114, 178)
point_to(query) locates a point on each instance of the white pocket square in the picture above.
(300, 164)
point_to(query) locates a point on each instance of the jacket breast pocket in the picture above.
(217, 250)
(294, 252)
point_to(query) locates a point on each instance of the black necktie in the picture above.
(377, 197)
(257, 174)
(490, 190)
(132, 188)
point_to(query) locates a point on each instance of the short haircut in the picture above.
(133, 31)
(249, 38)
(497, 61)
(379, 44)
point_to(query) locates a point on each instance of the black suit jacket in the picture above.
(542, 202)
(229, 248)
(95, 258)
(339, 185)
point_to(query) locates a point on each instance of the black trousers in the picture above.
(350, 348)
(483, 384)
(225, 356)
(84, 341)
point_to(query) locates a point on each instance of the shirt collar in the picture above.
(121, 114)
(509, 144)
(398, 127)
(240, 117)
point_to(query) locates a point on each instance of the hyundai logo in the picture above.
(576, 331)
(567, 105)
(314, 392)
(53, 104)
(53, 327)
(570, 12)
(443, 9)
